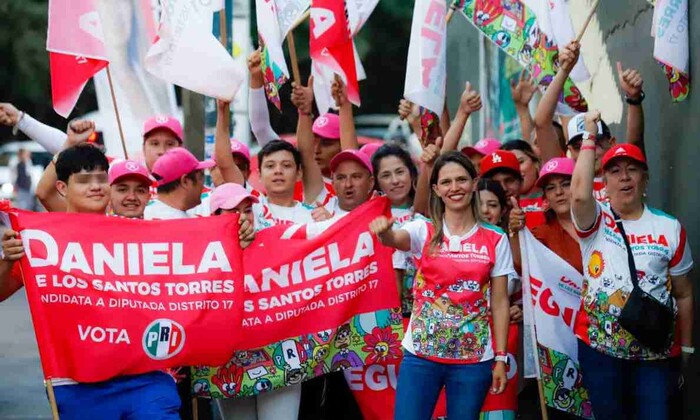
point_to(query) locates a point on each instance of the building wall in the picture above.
(620, 31)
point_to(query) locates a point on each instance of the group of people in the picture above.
(455, 218)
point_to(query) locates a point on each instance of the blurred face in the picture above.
(510, 183)
(491, 209)
(324, 151)
(476, 160)
(603, 144)
(352, 183)
(86, 192)
(394, 180)
(455, 187)
(244, 208)
(193, 189)
(129, 196)
(626, 182)
(156, 143)
(279, 173)
(528, 169)
(557, 192)
(243, 165)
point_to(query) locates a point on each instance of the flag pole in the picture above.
(300, 20)
(588, 20)
(116, 112)
(528, 309)
(293, 57)
(52, 398)
(451, 12)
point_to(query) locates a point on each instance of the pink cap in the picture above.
(327, 126)
(124, 168)
(163, 121)
(229, 195)
(351, 154)
(176, 163)
(555, 166)
(238, 148)
(370, 149)
(483, 147)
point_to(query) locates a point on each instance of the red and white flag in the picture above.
(76, 50)
(426, 68)
(331, 43)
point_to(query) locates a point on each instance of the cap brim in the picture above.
(490, 172)
(542, 181)
(163, 128)
(209, 163)
(344, 156)
(145, 178)
(234, 201)
(614, 158)
(469, 150)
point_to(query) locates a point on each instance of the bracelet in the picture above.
(15, 128)
(587, 147)
(688, 350)
(501, 353)
(637, 101)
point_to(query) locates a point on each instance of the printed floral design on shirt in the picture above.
(442, 329)
(382, 345)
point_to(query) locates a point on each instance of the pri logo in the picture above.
(131, 166)
(161, 119)
(322, 121)
(163, 339)
(551, 166)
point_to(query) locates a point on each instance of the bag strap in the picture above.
(630, 256)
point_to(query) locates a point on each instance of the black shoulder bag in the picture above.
(648, 320)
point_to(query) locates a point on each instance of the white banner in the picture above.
(554, 20)
(426, 69)
(555, 287)
(358, 13)
(269, 31)
(670, 32)
(187, 54)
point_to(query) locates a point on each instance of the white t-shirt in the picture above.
(333, 207)
(158, 210)
(660, 249)
(268, 214)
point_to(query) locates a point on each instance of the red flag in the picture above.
(331, 43)
(76, 50)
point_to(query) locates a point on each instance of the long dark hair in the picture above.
(387, 150)
(437, 206)
(494, 187)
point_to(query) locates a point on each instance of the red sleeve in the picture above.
(583, 234)
(678, 256)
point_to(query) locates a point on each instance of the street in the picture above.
(22, 394)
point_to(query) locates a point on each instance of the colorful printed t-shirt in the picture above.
(268, 214)
(449, 321)
(660, 249)
(403, 260)
(533, 206)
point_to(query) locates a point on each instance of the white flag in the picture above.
(554, 20)
(670, 32)
(426, 70)
(187, 54)
(555, 287)
(269, 31)
(359, 12)
(289, 12)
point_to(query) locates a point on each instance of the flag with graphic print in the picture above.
(274, 66)
(555, 288)
(671, 46)
(513, 27)
(76, 50)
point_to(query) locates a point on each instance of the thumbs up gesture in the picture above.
(516, 218)
(470, 101)
(631, 82)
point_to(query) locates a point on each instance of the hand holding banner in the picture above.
(112, 295)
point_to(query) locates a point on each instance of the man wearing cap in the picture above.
(82, 178)
(160, 134)
(503, 167)
(129, 183)
(482, 148)
(631, 83)
(353, 180)
(180, 179)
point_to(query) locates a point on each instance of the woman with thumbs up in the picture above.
(459, 260)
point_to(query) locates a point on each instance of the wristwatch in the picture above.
(688, 350)
(637, 101)
(502, 357)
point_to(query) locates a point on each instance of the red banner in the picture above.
(296, 284)
(112, 296)
(331, 43)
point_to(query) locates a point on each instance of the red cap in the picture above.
(483, 147)
(163, 121)
(625, 150)
(123, 168)
(501, 159)
(354, 155)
